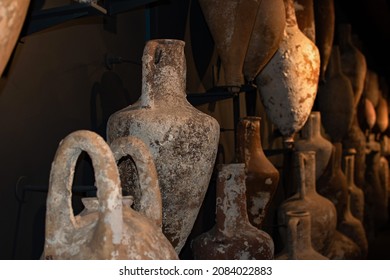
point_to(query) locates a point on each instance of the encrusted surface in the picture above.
(182, 140)
(12, 15)
(288, 83)
(233, 237)
(111, 232)
(262, 177)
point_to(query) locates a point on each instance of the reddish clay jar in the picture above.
(262, 177)
(233, 237)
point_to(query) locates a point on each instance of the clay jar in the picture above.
(353, 62)
(322, 211)
(262, 177)
(356, 140)
(382, 115)
(312, 140)
(333, 185)
(304, 10)
(265, 38)
(356, 194)
(288, 83)
(112, 231)
(182, 140)
(231, 23)
(335, 100)
(233, 237)
(299, 238)
(324, 13)
(371, 88)
(375, 191)
(353, 228)
(12, 18)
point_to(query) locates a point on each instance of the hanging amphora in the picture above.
(231, 23)
(265, 38)
(324, 12)
(288, 83)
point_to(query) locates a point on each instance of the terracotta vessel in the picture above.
(312, 140)
(233, 237)
(288, 83)
(356, 140)
(375, 191)
(336, 116)
(353, 228)
(304, 10)
(353, 62)
(333, 183)
(343, 248)
(382, 115)
(371, 88)
(91, 204)
(366, 115)
(183, 140)
(299, 245)
(12, 15)
(322, 211)
(384, 177)
(111, 232)
(356, 193)
(334, 186)
(265, 38)
(231, 23)
(262, 177)
(324, 13)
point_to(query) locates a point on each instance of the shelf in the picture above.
(38, 20)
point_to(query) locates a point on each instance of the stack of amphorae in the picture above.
(326, 201)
